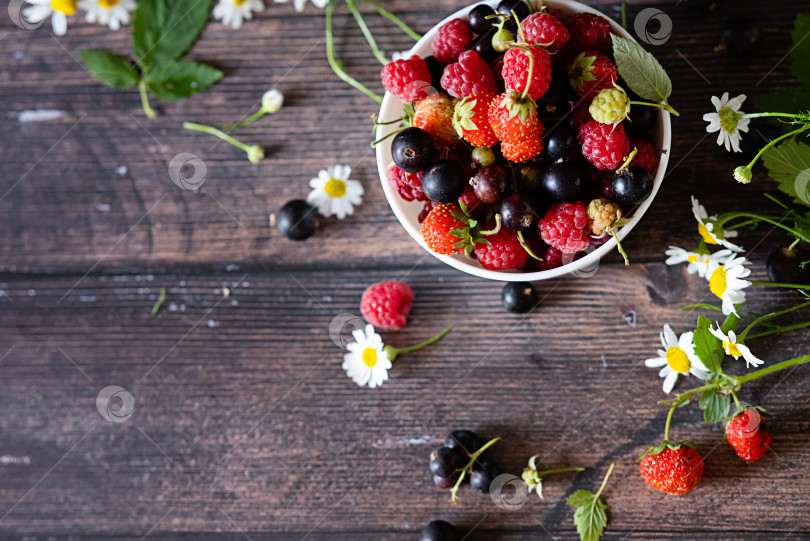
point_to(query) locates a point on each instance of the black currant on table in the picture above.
(564, 181)
(632, 186)
(412, 150)
(477, 19)
(483, 474)
(297, 220)
(439, 530)
(445, 461)
(490, 184)
(444, 181)
(466, 440)
(445, 483)
(519, 297)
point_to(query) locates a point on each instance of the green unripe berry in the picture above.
(502, 40)
(610, 106)
(483, 156)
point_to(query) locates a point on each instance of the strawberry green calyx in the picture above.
(580, 71)
(471, 233)
(657, 449)
(463, 115)
(521, 107)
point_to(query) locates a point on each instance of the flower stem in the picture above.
(336, 67)
(246, 122)
(394, 19)
(669, 422)
(772, 143)
(217, 133)
(771, 369)
(147, 109)
(366, 32)
(760, 115)
(779, 284)
(558, 470)
(781, 329)
(770, 316)
(392, 352)
(725, 218)
(624, 15)
(605, 480)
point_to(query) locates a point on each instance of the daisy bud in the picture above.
(743, 174)
(272, 101)
(255, 154)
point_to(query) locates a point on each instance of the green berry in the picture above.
(502, 40)
(483, 156)
(610, 106)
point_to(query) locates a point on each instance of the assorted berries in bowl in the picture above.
(509, 144)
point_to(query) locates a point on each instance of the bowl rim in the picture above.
(585, 266)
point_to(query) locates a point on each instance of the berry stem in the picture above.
(771, 369)
(770, 316)
(529, 75)
(558, 470)
(526, 246)
(392, 352)
(246, 122)
(614, 233)
(366, 32)
(779, 284)
(629, 159)
(736, 400)
(394, 19)
(468, 467)
(605, 480)
(147, 109)
(219, 133)
(669, 422)
(335, 65)
(493, 231)
(624, 15)
(520, 28)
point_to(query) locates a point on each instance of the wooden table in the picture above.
(244, 423)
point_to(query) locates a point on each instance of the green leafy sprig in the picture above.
(590, 516)
(642, 72)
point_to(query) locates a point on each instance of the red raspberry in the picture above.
(470, 201)
(591, 72)
(565, 227)
(409, 185)
(605, 146)
(516, 71)
(544, 29)
(552, 260)
(426, 210)
(470, 75)
(503, 251)
(451, 40)
(647, 157)
(589, 32)
(409, 80)
(387, 304)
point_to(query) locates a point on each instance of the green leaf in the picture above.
(590, 516)
(164, 29)
(788, 164)
(640, 70)
(714, 405)
(109, 69)
(181, 79)
(708, 347)
(800, 53)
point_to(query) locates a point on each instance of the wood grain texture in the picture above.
(244, 422)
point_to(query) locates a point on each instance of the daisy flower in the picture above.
(58, 10)
(677, 357)
(709, 230)
(233, 12)
(367, 362)
(728, 120)
(698, 263)
(736, 349)
(334, 193)
(299, 4)
(112, 13)
(727, 283)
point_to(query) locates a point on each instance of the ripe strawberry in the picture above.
(747, 436)
(516, 71)
(544, 29)
(408, 79)
(512, 118)
(447, 230)
(524, 150)
(471, 121)
(674, 468)
(591, 72)
(434, 114)
(501, 251)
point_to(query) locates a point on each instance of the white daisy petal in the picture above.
(669, 381)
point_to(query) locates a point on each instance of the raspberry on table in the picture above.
(647, 156)
(409, 185)
(588, 32)
(516, 71)
(503, 251)
(565, 227)
(544, 29)
(605, 146)
(386, 305)
(602, 215)
(408, 79)
(470, 75)
(451, 40)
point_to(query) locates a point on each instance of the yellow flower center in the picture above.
(704, 232)
(370, 357)
(717, 281)
(335, 188)
(239, 2)
(728, 119)
(678, 361)
(68, 7)
(732, 349)
(108, 3)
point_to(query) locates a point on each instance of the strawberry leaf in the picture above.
(590, 516)
(708, 347)
(714, 405)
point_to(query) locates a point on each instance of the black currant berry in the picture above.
(439, 530)
(477, 19)
(444, 461)
(632, 186)
(516, 215)
(412, 150)
(445, 483)
(519, 297)
(466, 440)
(518, 6)
(641, 121)
(561, 142)
(529, 176)
(296, 220)
(483, 474)
(444, 181)
(484, 49)
(741, 36)
(436, 69)
(784, 265)
(490, 184)
(558, 98)
(564, 181)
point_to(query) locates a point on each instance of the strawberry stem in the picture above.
(605, 480)
(335, 65)
(669, 421)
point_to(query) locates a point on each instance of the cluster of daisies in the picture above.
(117, 13)
(725, 271)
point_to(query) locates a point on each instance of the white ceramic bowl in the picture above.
(408, 212)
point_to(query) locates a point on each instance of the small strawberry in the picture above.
(525, 150)
(513, 118)
(591, 72)
(434, 114)
(674, 468)
(448, 230)
(747, 436)
(471, 120)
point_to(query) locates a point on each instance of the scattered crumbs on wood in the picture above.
(159, 303)
(272, 220)
(226, 292)
(604, 362)
(38, 395)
